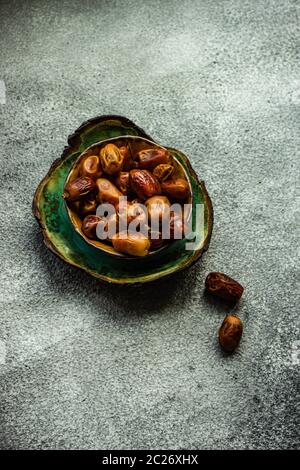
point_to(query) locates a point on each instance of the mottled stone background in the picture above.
(88, 366)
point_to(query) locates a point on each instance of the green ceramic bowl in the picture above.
(139, 143)
(61, 237)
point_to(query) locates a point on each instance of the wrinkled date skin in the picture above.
(107, 191)
(150, 158)
(128, 163)
(176, 188)
(79, 188)
(158, 207)
(91, 167)
(130, 211)
(223, 286)
(111, 159)
(144, 184)
(141, 183)
(135, 244)
(163, 171)
(89, 225)
(123, 183)
(230, 333)
(88, 205)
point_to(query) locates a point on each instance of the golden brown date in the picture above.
(144, 184)
(176, 188)
(230, 333)
(132, 210)
(111, 159)
(223, 286)
(135, 244)
(150, 158)
(78, 188)
(91, 167)
(107, 191)
(158, 208)
(163, 171)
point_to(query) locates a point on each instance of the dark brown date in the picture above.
(223, 286)
(150, 158)
(79, 188)
(128, 163)
(176, 188)
(122, 182)
(230, 333)
(144, 184)
(88, 205)
(89, 226)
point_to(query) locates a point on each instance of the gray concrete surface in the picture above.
(89, 366)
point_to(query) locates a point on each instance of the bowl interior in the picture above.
(135, 145)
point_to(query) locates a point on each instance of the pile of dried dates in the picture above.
(141, 185)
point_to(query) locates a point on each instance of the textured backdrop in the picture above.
(88, 366)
